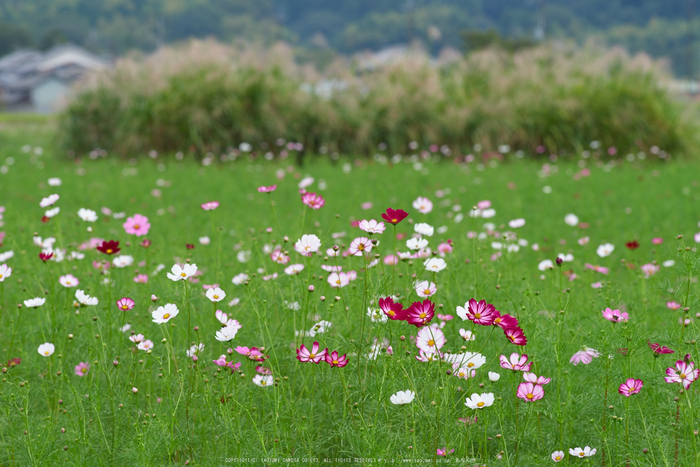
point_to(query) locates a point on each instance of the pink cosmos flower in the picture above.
(81, 369)
(338, 279)
(615, 316)
(444, 451)
(210, 205)
(534, 379)
(444, 248)
(372, 226)
(359, 245)
(267, 189)
(650, 269)
(391, 260)
(505, 321)
(430, 340)
(480, 312)
(597, 285)
(516, 362)
(393, 310)
(279, 257)
(657, 240)
(125, 304)
(658, 349)
(420, 313)
(222, 362)
(313, 200)
(584, 356)
(263, 370)
(335, 361)
(425, 288)
(445, 317)
(485, 204)
(530, 392)
(599, 269)
(137, 225)
(423, 205)
(68, 280)
(683, 373)
(313, 355)
(141, 278)
(673, 305)
(631, 386)
(515, 335)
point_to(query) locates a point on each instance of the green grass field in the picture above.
(198, 413)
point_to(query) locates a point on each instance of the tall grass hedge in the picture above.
(206, 97)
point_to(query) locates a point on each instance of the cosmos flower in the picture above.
(263, 380)
(179, 273)
(293, 269)
(435, 264)
(68, 281)
(493, 376)
(84, 299)
(584, 356)
(516, 223)
(684, 373)
(581, 453)
(505, 321)
(545, 264)
(46, 349)
(633, 245)
(479, 312)
(425, 288)
(658, 349)
(81, 369)
(615, 316)
(307, 244)
(530, 392)
(315, 355)
(338, 279)
(215, 294)
(599, 269)
(402, 397)
(649, 269)
(393, 310)
(34, 302)
(49, 201)
(5, 272)
(394, 216)
(430, 340)
(210, 205)
(267, 189)
(88, 215)
(336, 361)
(110, 247)
(313, 200)
(228, 332)
(360, 245)
(534, 379)
(605, 250)
(123, 261)
(516, 362)
(557, 456)
(165, 313)
(571, 219)
(137, 225)
(239, 278)
(673, 305)
(423, 205)
(631, 386)
(420, 313)
(416, 243)
(479, 401)
(372, 226)
(424, 229)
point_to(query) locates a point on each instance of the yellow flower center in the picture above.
(422, 315)
(480, 404)
(109, 251)
(426, 292)
(470, 364)
(391, 313)
(530, 396)
(335, 362)
(431, 342)
(0, 276)
(125, 307)
(477, 315)
(338, 282)
(558, 458)
(166, 316)
(136, 226)
(581, 454)
(263, 383)
(361, 247)
(312, 355)
(183, 274)
(682, 375)
(394, 220)
(497, 320)
(83, 369)
(216, 297)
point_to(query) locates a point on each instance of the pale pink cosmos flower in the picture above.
(68, 280)
(141, 279)
(615, 316)
(430, 340)
(367, 205)
(313, 200)
(583, 241)
(137, 338)
(267, 189)
(684, 373)
(584, 356)
(530, 392)
(485, 204)
(5, 272)
(137, 225)
(467, 335)
(210, 205)
(631, 386)
(49, 201)
(534, 379)
(657, 240)
(444, 248)
(280, 257)
(372, 226)
(462, 372)
(425, 288)
(360, 245)
(650, 269)
(145, 345)
(81, 369)
(673, 305)
(516, 362)
(597, 285)
(337, 280)
(423, 205)
(599, 269)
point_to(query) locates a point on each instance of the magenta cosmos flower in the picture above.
(584, 356)
(505, 321)
(334, 360)
(615, 316)
(313, 200)
(516, 362)
(530, 392)
(659, 349)
(683, 373)
(631, 386)
(267, 189)
(516, 336)
(314, 355)
(480, 312)
(81, 369)
(393, 310)
(137, 225)
(420, 313)
(210, 205)
(394, 216)
(125, 304)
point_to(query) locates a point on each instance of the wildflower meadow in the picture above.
(405, 308)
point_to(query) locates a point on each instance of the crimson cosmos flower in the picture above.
(516, 336)
(46, 256)
(394, 216)
(505, 321)
(420, 314)
(392, 310)
(659, 349)
(633, 245)
(110, 247)
(334, 360)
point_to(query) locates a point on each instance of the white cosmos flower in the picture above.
(516, 223)
(479, 401)
(423, 205)
(493, 376)
(583, 241)
(46, 243)
(136, 338)
(425, 288)
(466, 335)
(307, 244)
(6, 255)
(263, 380)
(372, 226)
(34, 302)
(88, 215)
(5, 272)
(605, 250)
(145, 345)
(416, 243)
(435, 264)
(179, 273)
(585, 452)
(470, 360)
(377, 316)
(294, 269)
(54, 181)
(331, 252)
(566, 257)
(497, 245)
(46, 349)
(319, 328)
(216, 294)
(403, 397)
(48, 201)
(52, 212)
(545, 264)
(488, 213)
(194, 350)
(84, 299)
(424, 229)
(123, 261)
(571, 219)
(668, 263)
(244, 256)
(513, 248)
(165, 313)
(204, 240)
(305, 182)
(239, 279)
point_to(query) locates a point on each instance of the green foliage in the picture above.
(478, 40)
(560, 99)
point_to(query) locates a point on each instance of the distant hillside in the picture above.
(659, 27)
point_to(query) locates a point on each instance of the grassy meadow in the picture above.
(163, 407)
